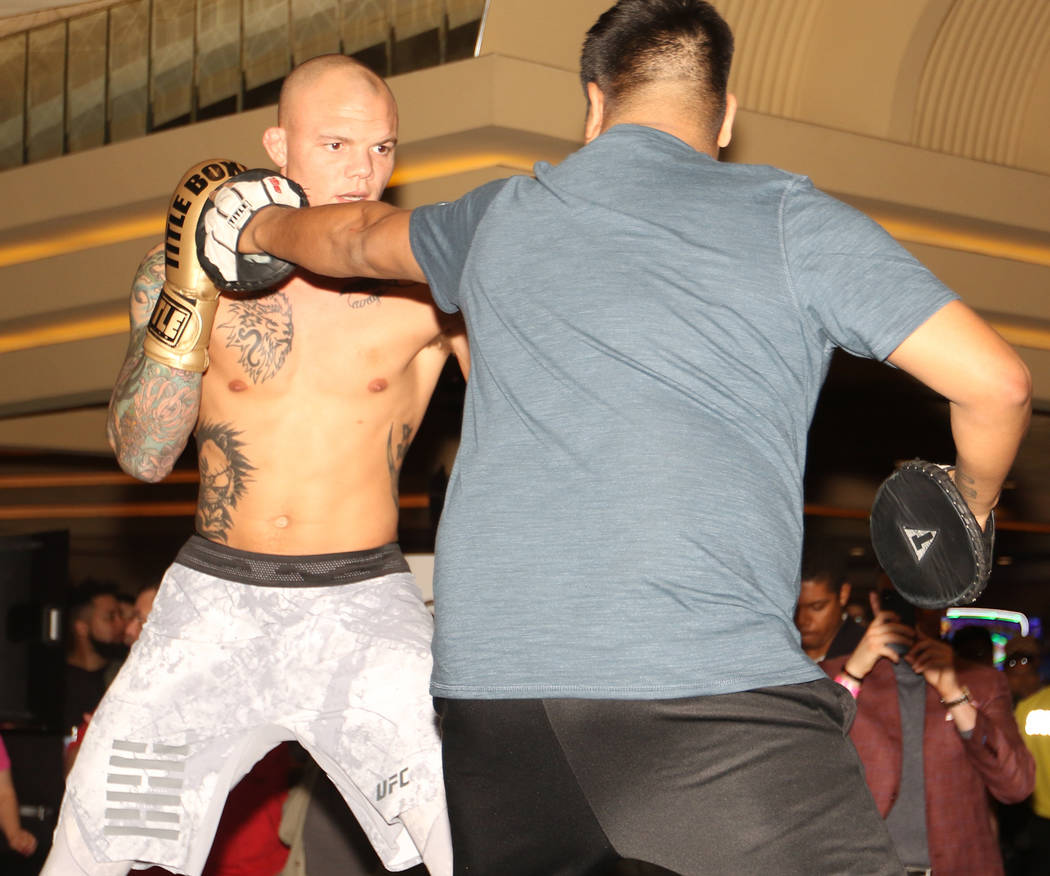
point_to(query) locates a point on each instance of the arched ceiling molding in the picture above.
(976, 89)
(772, 40)
(911, 66)
(1033, 143)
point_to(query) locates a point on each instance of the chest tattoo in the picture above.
(260, 331)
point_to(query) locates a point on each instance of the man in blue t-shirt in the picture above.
(616, 664)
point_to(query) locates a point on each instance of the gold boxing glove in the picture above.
(180, 327)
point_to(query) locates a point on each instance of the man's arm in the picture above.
(455, 333)
(364, 239)
(19, 839)
(989, 389)
(154, 407)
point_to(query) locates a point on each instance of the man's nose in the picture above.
(359, 166)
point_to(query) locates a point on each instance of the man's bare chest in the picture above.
(320, 337)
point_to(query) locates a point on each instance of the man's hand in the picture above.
(935, 661)
(22, 842)
(885, 637)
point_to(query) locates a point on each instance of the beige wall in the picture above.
(843, 90)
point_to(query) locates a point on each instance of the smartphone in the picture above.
(891, 600)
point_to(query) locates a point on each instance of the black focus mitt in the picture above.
(927, 539)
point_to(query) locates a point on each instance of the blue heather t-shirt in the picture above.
(649, 331)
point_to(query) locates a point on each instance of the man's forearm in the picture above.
(986, 443)
(363, 239)
(957, 354)
(152, 412)
(10, 822)
(153, 408)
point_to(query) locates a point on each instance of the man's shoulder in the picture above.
(1039, 700)
(984, 681)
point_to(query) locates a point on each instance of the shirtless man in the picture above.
(291, 614)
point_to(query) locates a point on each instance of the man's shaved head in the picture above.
(298, 82)
(336, 130)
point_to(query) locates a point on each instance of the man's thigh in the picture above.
(761, 781)
(514, 806)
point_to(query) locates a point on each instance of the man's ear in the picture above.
(844, 592)
(725, 134)
(81, 629)
(595, 112)
(275, 142)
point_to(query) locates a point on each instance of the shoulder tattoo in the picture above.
(225, 475)
(260, 330)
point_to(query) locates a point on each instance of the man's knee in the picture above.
(428, 827)
(70, 855)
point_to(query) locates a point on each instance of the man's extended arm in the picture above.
(154, 407)
(957, 354)
(364, 239)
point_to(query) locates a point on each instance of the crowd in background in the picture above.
(992, 780)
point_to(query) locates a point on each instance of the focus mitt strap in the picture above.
(180, 327)
(927, 539)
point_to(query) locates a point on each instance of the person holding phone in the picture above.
(936, 737)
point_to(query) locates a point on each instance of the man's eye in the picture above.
(383, 149)
(333, 147)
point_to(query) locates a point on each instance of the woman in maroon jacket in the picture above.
(936, 737)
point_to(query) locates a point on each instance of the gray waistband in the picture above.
(275, 570)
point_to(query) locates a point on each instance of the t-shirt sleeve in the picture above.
(862, 289)
(441, 236)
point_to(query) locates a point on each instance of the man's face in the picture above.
(339, 139)
(143, 604)
(106, 624)
(1022, 675)
(818, 615)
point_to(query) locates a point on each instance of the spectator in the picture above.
(127, 607)
(1021, 667)
(140, 611)
(858, 609)
(1032, 845)
(19, 839)
(936, 737)
(974, 643)
(96, 641)
(821, 611)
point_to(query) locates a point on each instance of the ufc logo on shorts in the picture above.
(168, 320)
(387, 786)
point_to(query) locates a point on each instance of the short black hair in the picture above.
(637, 42)
(822, 563)
(79, 603)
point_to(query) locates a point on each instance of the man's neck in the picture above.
(689, 134)
(85, 657)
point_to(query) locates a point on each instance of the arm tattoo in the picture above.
(260, 329)
(966, 485)
(153, 407)
(395, 455)
(225, 475)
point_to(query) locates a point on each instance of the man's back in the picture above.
(639, 409)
